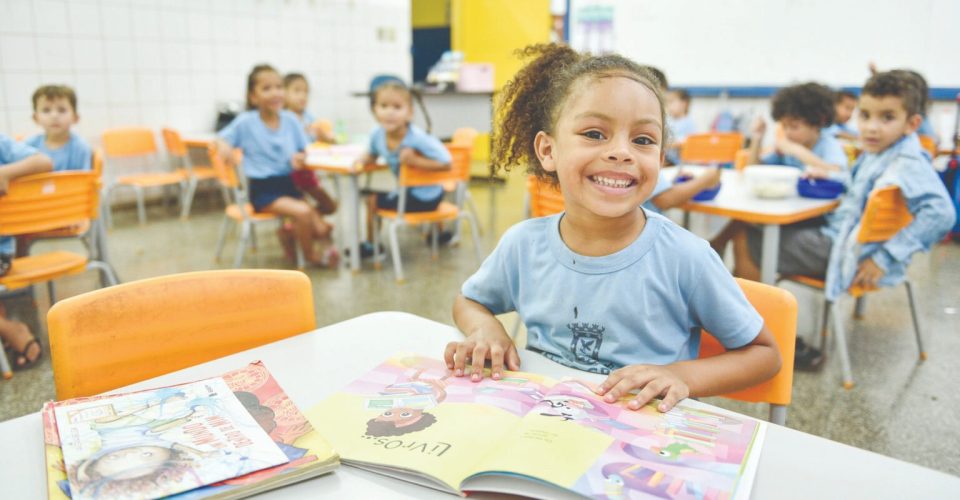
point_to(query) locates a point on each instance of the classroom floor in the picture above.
(900, 407)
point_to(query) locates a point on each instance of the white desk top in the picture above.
(314, 365)
(735, 200)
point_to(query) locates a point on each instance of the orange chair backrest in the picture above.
(96, 164)
(459, 170)
(41, 202)
(226, 174)
(929, 144)
(778, 308)
(885, 215)
(464, 136)
(116, 336)
(545, 198)
(175, 144)
(129, 141)
(712, 147)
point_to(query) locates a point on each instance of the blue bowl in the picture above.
(822, 189)
(705, 195)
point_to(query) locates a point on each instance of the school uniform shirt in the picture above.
(904, 165)
(643, 304)
(74, 155)
(827, 148)
(424, 143)
(679, 130)
(266, 152)
(12, 151)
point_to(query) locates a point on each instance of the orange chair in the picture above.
(886, 214)
(177, 150)
(137, 142)
(114, 337)
(246, 218)
(459, 172)
(778, 308)
(42, 202)
(466, 137)
(929, 144)
(711, 147)
(543, 198)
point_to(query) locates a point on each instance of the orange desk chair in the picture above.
(543, 198)
(886, 214)
(137, 142)
(459, 172)
(929, 144)
(42, 202)
(466, 137)
(245, 217)
(778, 308)
(116, 336)
(711, 147)
(177, 150)
(90, 232)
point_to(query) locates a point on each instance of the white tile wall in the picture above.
(163, 62)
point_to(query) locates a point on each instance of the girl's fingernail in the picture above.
(459, 373)
(608, 398)
(496, 376)
(663, 407)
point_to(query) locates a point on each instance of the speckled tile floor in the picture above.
(900, 407)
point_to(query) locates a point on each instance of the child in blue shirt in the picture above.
(803, 111)
(273, 143)
(18, 160)
(890, 113)
(844, 104)
(296, 93)
(400, 142)
(679, 122)
(55, 110)
(605, 286)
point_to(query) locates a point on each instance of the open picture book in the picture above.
(225, 437)
(526, 434)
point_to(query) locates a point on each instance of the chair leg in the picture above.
(395, 251)
(141, 209)
(838, 328)
(434, 239)
(472, 207)
(52, 292)
(916, 323)
(825, 327)
(5, 369)
(245, 230)
(860, 306)
(221, 239)
(253, 240)
(188, 198)
(375, 238)
(108, 277)
(475, 232)
(778, 414)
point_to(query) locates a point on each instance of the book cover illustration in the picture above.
(160, 442)
(310, 455)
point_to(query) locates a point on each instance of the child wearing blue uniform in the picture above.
(605, 286)
(17, 160)
(273, 143)
(890, 106)
(679, 122)
(400, 142)
(296, 94)
(803, 111)
(844, 104)
(55, 109)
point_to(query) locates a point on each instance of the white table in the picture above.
(736, 201)
(312, 366)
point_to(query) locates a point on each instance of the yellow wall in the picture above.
(429, 13)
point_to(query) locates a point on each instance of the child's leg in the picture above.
(302, 214)
(306, 181)
(371, 215)
(743, 263)
(719, 242)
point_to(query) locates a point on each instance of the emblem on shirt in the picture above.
(585, 346)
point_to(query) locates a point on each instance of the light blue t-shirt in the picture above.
(424, 143)
(643, 304)
(11, 151)
(663, 184)
(679, 130)
(307, 119)
(266, 152)
(836, 128)
(827, 148)
(74, 155)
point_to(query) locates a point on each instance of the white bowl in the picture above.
(772, 181)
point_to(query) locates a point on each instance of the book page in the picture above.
(575, 440)
(410, 413)
(160, 442)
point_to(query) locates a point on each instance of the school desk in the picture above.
(314, 365)
(736, 201)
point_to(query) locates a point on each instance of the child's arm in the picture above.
(485, 339)
(410, 157)
(678, 194)
(819, 166)
(225, 151)
(33, 164)
(756, 140)
(733, 370)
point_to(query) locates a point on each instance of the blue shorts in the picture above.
(265, 191)
(389, 201)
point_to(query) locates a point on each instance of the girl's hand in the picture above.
(299, 161)
(786, 146)
(868, 274)
(812, 172)
(652, 380)
(408, 156)
(479, 347)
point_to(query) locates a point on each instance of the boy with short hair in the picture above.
(890, 114)
(844, 105)
(55, 110)
(803, 111)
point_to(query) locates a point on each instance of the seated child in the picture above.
(890, 106)
(679, 122)
(296, 93)
(17, 160)
(803, 111)
(926, 128)
(844, 104)
(401, 142)
(606, 286)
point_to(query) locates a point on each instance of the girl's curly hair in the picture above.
(532, 100)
